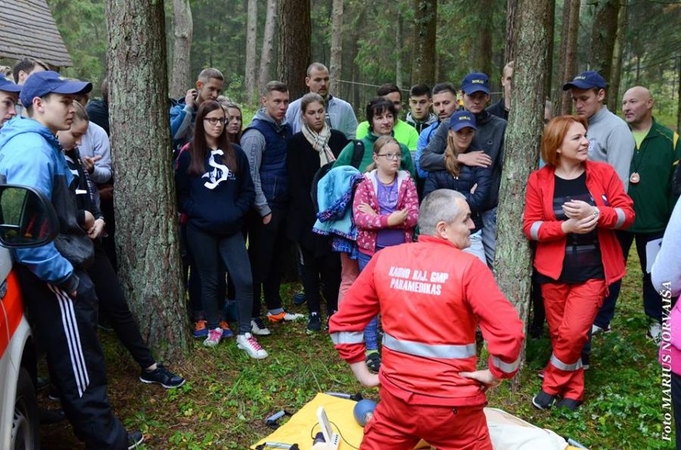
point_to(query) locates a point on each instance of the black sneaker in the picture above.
(568, 403)
(543, 400)
(162, 376)
(135, 438)
(373, 362)
(53, 393)
(314, 324)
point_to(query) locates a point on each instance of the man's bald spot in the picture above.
(639, 92)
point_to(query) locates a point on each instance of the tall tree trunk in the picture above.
(294, 54)
(398, 52)
(512, 261)
(550, 44)
(180, 74)
(146, 215)
(336, 65)
(425, 31)
(616, 75)
(603, 33)
(511, 27)
(567, 66)
(484, 55)
(250, 75)
(268, 44)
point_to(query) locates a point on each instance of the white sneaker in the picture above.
(258, 327)
(655, 332)
(248, 343)
(213, 338)
(595, 329)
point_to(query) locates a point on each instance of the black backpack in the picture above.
(357, 155)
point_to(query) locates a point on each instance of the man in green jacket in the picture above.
(656, 156)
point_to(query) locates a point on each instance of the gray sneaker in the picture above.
(258, 327)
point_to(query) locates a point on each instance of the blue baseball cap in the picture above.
(8, 86)
(39, 84)
(475, 82)
(587, 80)
(462, 119)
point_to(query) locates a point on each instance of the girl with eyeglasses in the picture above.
(385, 210)
(473, 182)
(215, 191)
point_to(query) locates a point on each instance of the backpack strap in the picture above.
(357, 154)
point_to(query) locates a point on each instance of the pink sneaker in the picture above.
(213, 338)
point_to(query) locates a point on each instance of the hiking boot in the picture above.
(568, 403)
(226, 332)
(543, 400)
(655, 332)
(373, 361)
(200, 329)
(258, 327)
(213, 338)
(299, 298)
(248, 343)
(162, 376)
(135, 438)
(314, 323)
(285, 316)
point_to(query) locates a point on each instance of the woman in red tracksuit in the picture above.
(572, 207)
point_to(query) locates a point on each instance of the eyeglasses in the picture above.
(215, 120)
(391, 156)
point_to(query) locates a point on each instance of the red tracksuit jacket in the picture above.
(431, 296)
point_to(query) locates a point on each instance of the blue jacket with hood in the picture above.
(30, 155)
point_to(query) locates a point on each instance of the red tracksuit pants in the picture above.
(570, 312)
(397, 425)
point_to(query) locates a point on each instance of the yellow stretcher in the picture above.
(507, 431)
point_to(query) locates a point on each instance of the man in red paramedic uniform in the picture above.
(432, 297)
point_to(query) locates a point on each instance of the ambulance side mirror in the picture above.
(27, 218)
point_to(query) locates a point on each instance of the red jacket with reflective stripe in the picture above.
(429, 293)
(608, 193)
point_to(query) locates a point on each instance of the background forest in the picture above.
(379, 41)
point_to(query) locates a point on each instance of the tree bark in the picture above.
(250, 75)
(512, 261)
(180, 73)
(294, 54)
(511, 27)
(146, 215)
(678, 94)
(603, 33)
(425, 31)
(268, 44)
(616, 76)
(567, 66)
(398, 50)
(484, 55)
(336, 64)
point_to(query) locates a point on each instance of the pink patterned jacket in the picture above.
(368, 224)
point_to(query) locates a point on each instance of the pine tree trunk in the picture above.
(425, 31)
(603, 33)
(336, 64)
(616, 76)
(484, 54)
(250, 76)
(568, 54)
(180, 73)
(144, 201)
(512, 261)
(268, 44)
(511, 27)
(294, 53)
(398, 50)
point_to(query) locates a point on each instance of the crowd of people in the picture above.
(349, 199)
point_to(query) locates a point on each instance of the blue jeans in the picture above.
(371, 331)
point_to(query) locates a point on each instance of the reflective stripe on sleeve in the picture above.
(534, 230)
(429, 350)
(504, 366)
(558, 364)
(620, 217)
(347, 337)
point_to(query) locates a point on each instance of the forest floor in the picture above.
(227, 396)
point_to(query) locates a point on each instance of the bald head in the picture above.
(637, 106)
